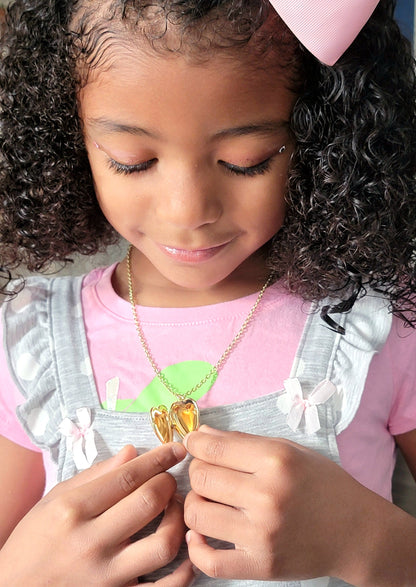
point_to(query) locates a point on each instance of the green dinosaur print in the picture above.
(183, 376)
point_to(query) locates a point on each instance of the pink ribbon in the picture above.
(296, 405)
(325, 27)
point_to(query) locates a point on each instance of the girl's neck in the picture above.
(151, 289)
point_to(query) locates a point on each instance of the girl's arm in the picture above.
(22, 481)
(407, 444)
(86, 523)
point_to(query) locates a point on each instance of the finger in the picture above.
(127, 453)
(136, 510)
(240, 451)
(183, 576)
(219, 484)
(234, 450)
(225, 564)
(95, 497)
(154, 551)
(215, 520)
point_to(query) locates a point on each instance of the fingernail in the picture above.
(125, 449)
(179, 451)
(209, 430)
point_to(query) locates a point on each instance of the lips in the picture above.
(192, 255)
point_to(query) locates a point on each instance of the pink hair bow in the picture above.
(325, 27)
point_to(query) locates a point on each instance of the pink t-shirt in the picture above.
(189, 338)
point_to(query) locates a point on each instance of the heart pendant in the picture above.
(184, 416)
(161, 424)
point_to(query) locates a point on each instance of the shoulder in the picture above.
(33, 294)
(38, 288)
(400, 347)
(99, 275)
(27, 317)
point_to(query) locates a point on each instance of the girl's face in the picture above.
(190, 164)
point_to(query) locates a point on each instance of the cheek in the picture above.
(112, 191)
(273, 221)
(276, 201)
(268, 214)
(111, 198)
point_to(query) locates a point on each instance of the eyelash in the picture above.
(259, 169)
(128, 169)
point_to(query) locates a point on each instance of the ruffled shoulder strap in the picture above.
(44, 316)
(325, 358)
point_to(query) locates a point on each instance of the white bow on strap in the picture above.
(295, 405)
(325, 27)
(80, 438)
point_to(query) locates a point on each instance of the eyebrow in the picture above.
(111, 126)
(266, 127)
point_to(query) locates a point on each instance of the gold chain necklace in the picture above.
(183, 415)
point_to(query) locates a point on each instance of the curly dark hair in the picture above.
(351, 219)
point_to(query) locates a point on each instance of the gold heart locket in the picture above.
(182, 417)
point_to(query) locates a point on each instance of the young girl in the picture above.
(267, 194)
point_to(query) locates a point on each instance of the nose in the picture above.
(191, 198)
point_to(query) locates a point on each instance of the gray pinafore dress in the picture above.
(48, 358)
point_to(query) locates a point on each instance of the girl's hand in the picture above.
(79, 533)
(291, 514)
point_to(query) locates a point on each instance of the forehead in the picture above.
(162, 90)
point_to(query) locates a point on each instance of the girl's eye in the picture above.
(128, 169)
(257, 169)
